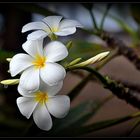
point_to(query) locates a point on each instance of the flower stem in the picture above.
(104, 16)
(78, 88)
(53, 37)
(93, 20)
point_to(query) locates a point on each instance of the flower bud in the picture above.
(10, 82)
(74, 61)
(69, 45)
(92, 60)
(8, 59)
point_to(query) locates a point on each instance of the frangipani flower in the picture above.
(39, 63)
(42, 103)
(51, 25)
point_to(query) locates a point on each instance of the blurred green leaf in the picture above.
(84, 50)
(79, 87)
(76, 117)
(135, 125)
(12, 123)
(125, 26)
(11, 126)
(100, 125)
(5, 54)
(104, 16)
(73, 116)
(135, 10)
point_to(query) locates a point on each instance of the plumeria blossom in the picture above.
(42, 103)
(39, 63)
(51, 25)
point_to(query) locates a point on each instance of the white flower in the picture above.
(39, 63)
(42, 103)
(49, 25)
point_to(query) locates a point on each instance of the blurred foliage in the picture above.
(84, 50)
(135, 10)
(5, 54)
(134, 126)
(134, 34)
(100, 125)
(74, 123)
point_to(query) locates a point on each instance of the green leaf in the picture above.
(126, 27)
(101, 125)
(12, 123)
(79, 87)
(77, 117)
(5, 54)
(75, 114)
(135, 10)
(135, 125)
(84, 50)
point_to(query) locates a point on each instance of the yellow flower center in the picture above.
(41, 97)
(54, 29)
(39, 61)
(51, 30)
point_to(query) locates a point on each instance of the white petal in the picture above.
(66, 31)
(33, 47)
(52, 73)
(55, 51)
(59, 106)
(29, 79)
(19, 63)
(26, 106)
(25, 92)
(42, 117)
(51, 90)
(34, 26)
(37, 35)
(67, 23)
(53, 22)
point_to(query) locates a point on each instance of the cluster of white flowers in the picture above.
(41, 76)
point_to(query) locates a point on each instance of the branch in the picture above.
(128, 52)
(130, 96)
(132, 86)
(112, 55)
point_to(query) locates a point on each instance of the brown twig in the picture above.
(135, 87)
(130, 96)
(128, 52)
